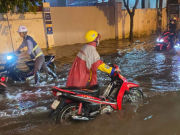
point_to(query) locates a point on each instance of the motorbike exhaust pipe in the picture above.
(81, 118)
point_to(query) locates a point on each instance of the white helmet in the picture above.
(22, 28)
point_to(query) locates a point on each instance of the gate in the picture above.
(173, 11)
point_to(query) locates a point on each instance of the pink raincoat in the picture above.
(84, 67)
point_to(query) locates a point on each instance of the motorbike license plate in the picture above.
(55, 104)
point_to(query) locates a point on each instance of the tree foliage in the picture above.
(22, 5)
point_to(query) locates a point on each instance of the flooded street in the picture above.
(24, 108)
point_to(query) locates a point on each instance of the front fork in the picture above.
(80, 108)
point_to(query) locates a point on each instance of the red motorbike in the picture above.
(84, 103)
(163, 42)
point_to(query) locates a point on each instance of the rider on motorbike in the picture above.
(87, 62)
(35, 53)
(173, 30)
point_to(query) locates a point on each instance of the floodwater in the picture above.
(24, 108)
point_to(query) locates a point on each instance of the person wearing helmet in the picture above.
(173, 30)
(87, 62)
(35, 53)
(175, 19)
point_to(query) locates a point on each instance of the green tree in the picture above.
(22, 5)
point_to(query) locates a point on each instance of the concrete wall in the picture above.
(70, 24)
(8, 28)
(145, 23)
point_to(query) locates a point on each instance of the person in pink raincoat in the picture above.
(84, 68)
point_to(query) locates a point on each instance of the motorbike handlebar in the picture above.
(116, 67)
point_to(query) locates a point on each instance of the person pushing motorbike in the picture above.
(35, 53)
(87, 62)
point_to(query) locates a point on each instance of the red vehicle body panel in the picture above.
(166, 41)
(125, 87)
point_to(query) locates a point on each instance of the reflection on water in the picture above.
(25, 106)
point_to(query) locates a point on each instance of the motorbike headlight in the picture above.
(161, 40)
(9, 57)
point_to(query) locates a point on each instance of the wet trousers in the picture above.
(40, 63)
(172, 38)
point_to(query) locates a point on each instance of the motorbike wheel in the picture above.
(135, 95)
(66, 112)
(157, 48)
(164, 47)
(2, 90)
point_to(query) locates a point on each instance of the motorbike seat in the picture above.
(166, 33)
(90, 90)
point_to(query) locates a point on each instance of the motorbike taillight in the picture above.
(3, 79)
(54, 92)
(57, 93)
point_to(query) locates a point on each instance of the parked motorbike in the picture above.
(163, 42)
(84, 104)
(10, 70)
